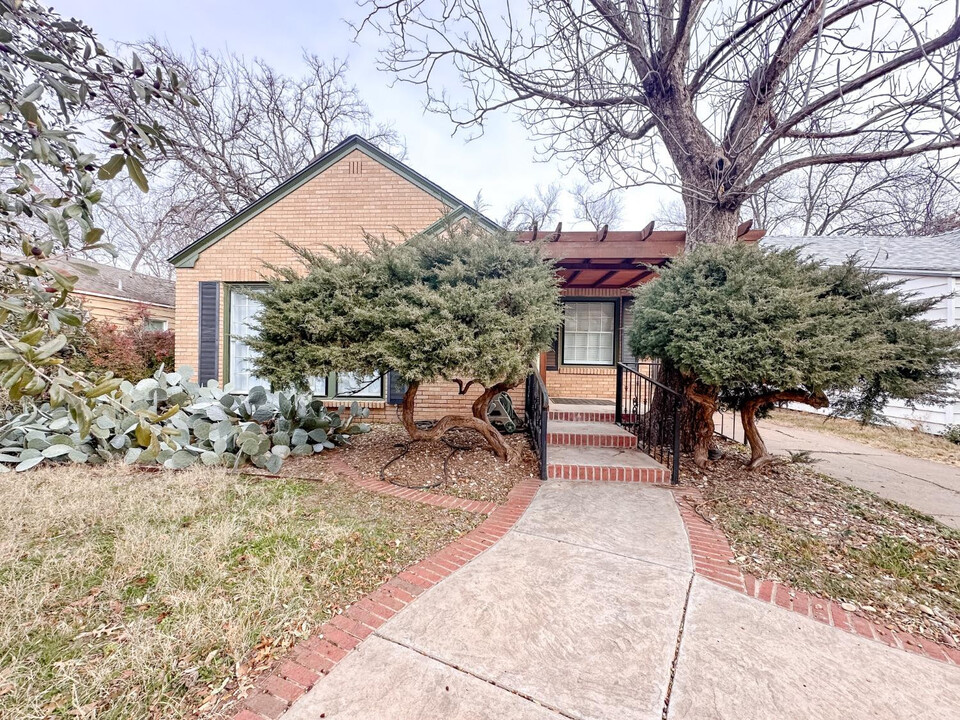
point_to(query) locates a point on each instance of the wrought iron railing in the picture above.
(725, 422)
(537, 409)
(657, 431)
(726, 426)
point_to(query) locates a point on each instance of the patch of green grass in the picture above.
(132, 595)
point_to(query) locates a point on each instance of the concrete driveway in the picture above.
(932, 488)
(588, 608)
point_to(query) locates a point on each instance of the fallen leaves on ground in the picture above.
(789, 523)
(474, 473)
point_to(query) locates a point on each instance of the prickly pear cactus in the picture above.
(169, 420)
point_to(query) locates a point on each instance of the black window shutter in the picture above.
(395, 388)
(209, 332)
(626, 321)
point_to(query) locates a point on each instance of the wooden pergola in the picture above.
(616, 258)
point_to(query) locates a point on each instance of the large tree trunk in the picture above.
(748, 414)
(708, 221)
(447, 422)
(696, 414)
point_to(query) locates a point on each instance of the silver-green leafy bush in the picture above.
(170, 421)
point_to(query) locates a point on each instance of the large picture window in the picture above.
(243, 309)
(588, 333)
(359, 386)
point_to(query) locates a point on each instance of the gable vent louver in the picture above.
(355, 167)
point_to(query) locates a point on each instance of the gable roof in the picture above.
(119, 283)
(188, 256)
(921, 254)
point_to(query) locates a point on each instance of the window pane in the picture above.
(356, 385)
(588, 332)
(242, 312)
(318, 385)
(154, 325)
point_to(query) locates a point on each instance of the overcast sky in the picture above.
(501, 163)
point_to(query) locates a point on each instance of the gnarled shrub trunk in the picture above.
(696, 413)
(448, 422)
(748, 413)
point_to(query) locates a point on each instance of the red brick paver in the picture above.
(713, 559)
(313, 658)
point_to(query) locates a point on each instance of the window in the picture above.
(155, 325)
(242, 311)
(588, 333)
(354, 385)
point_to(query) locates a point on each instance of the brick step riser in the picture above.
(577, 440)
(599, 473)
(574, 416)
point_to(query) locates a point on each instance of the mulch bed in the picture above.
(791, 524)
(473, 473)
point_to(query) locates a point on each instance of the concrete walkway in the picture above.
(582, 610)
(932, 488)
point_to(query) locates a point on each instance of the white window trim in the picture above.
(612, 304)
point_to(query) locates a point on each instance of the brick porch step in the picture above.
(568, 412)
(603, 463)
(593, 434)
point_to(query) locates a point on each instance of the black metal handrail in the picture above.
(658, 434)
(725, 423)
(537, 410)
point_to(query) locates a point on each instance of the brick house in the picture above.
(357, 188)
(115, 294)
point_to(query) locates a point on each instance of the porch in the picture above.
(600, 271)
(614, 440)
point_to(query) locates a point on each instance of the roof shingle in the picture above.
(119, 282)
(933, 253)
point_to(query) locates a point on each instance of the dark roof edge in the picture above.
(188, 256)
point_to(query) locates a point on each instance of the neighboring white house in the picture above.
(928, 266)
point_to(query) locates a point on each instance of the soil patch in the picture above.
(472, 471)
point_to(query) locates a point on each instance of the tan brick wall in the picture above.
(582, 382)
(434, 400)
(118, 311)
(334, 208)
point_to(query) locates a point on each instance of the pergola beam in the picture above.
(603, 278)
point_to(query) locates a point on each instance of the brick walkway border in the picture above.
(713, 559)
(314, 657)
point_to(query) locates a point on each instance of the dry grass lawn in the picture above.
(155, 595)
(886, 437)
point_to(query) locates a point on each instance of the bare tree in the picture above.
(896, 198)
(597, 207)
(145, 234)
(717, 98)
(249, 129)
(540, 209)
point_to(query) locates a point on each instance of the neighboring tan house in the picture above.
(357, 188)
(115, 294)
(927, 266)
